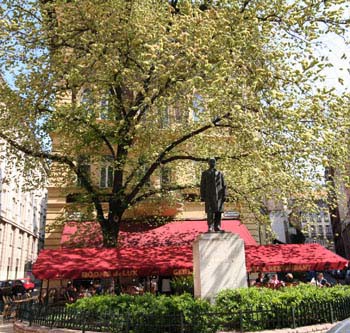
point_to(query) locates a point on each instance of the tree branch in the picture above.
(37, 154)
(64, 160)
(201, 159)
(140, 97)
(159, 191)
(169, 148)
(244, 6)
(99, 133)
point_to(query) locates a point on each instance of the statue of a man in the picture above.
(213, 193)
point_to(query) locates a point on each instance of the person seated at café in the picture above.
(136, 288)
(71, 293)
(274, 282)
(289, 279)
(321, 281)
(259, 281)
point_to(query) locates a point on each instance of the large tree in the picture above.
(240, 80)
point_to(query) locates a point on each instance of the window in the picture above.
(8, 268)
(28, 243)
(19, 244)
(313, 231)
(179, 116)
(85, 169)
(16, 269)
(98, 107)
(320, 230)
(87, 101)
(197, 107)
(142, 169)
(165, 176)
(104, 111)
(164, 118)
(106, 172)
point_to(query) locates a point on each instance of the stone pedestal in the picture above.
(218, 263)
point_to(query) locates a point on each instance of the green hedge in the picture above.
(264, 308)
(250, 308)
(182, 284)
(248, 299)
(142, 304)
(149, 312)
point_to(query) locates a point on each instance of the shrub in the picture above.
(255, 308)
(265, 298)
(309, 303)
(182, 284)
(148, 311)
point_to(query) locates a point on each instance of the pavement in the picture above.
(342, 327)
(6, 327)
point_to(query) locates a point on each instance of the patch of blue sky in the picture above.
(337, 50)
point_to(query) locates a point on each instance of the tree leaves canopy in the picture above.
(154, 83)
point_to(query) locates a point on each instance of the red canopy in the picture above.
(103, 263)
(292, 257)
(179, 233)
(172, 260)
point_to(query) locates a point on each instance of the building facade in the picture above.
(302, 225)
(317, 227)
(22, 221)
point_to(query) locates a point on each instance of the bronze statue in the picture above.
(213, 193)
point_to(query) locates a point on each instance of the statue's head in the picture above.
(212, 162)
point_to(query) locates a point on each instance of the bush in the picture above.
(147, 311)
(265, 298)
(253, 308)
(182, 284)
(264, 308)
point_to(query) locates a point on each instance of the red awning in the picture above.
(179, 233)
(172, 260)
(292, 257)
(104, 263)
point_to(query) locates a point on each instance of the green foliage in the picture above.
(311, 304)
(141, 304)
(254, 308)
(171, 85)
(266, 298)
(182, 284)
(158, 310)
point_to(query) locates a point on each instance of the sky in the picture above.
(338, 47)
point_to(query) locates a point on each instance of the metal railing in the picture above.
(202, 322)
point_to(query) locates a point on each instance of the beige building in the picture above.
(22, 219)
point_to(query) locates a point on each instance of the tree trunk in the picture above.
(111, 225)
(110, 231)
(334, 213)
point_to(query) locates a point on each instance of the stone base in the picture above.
(219, 263)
